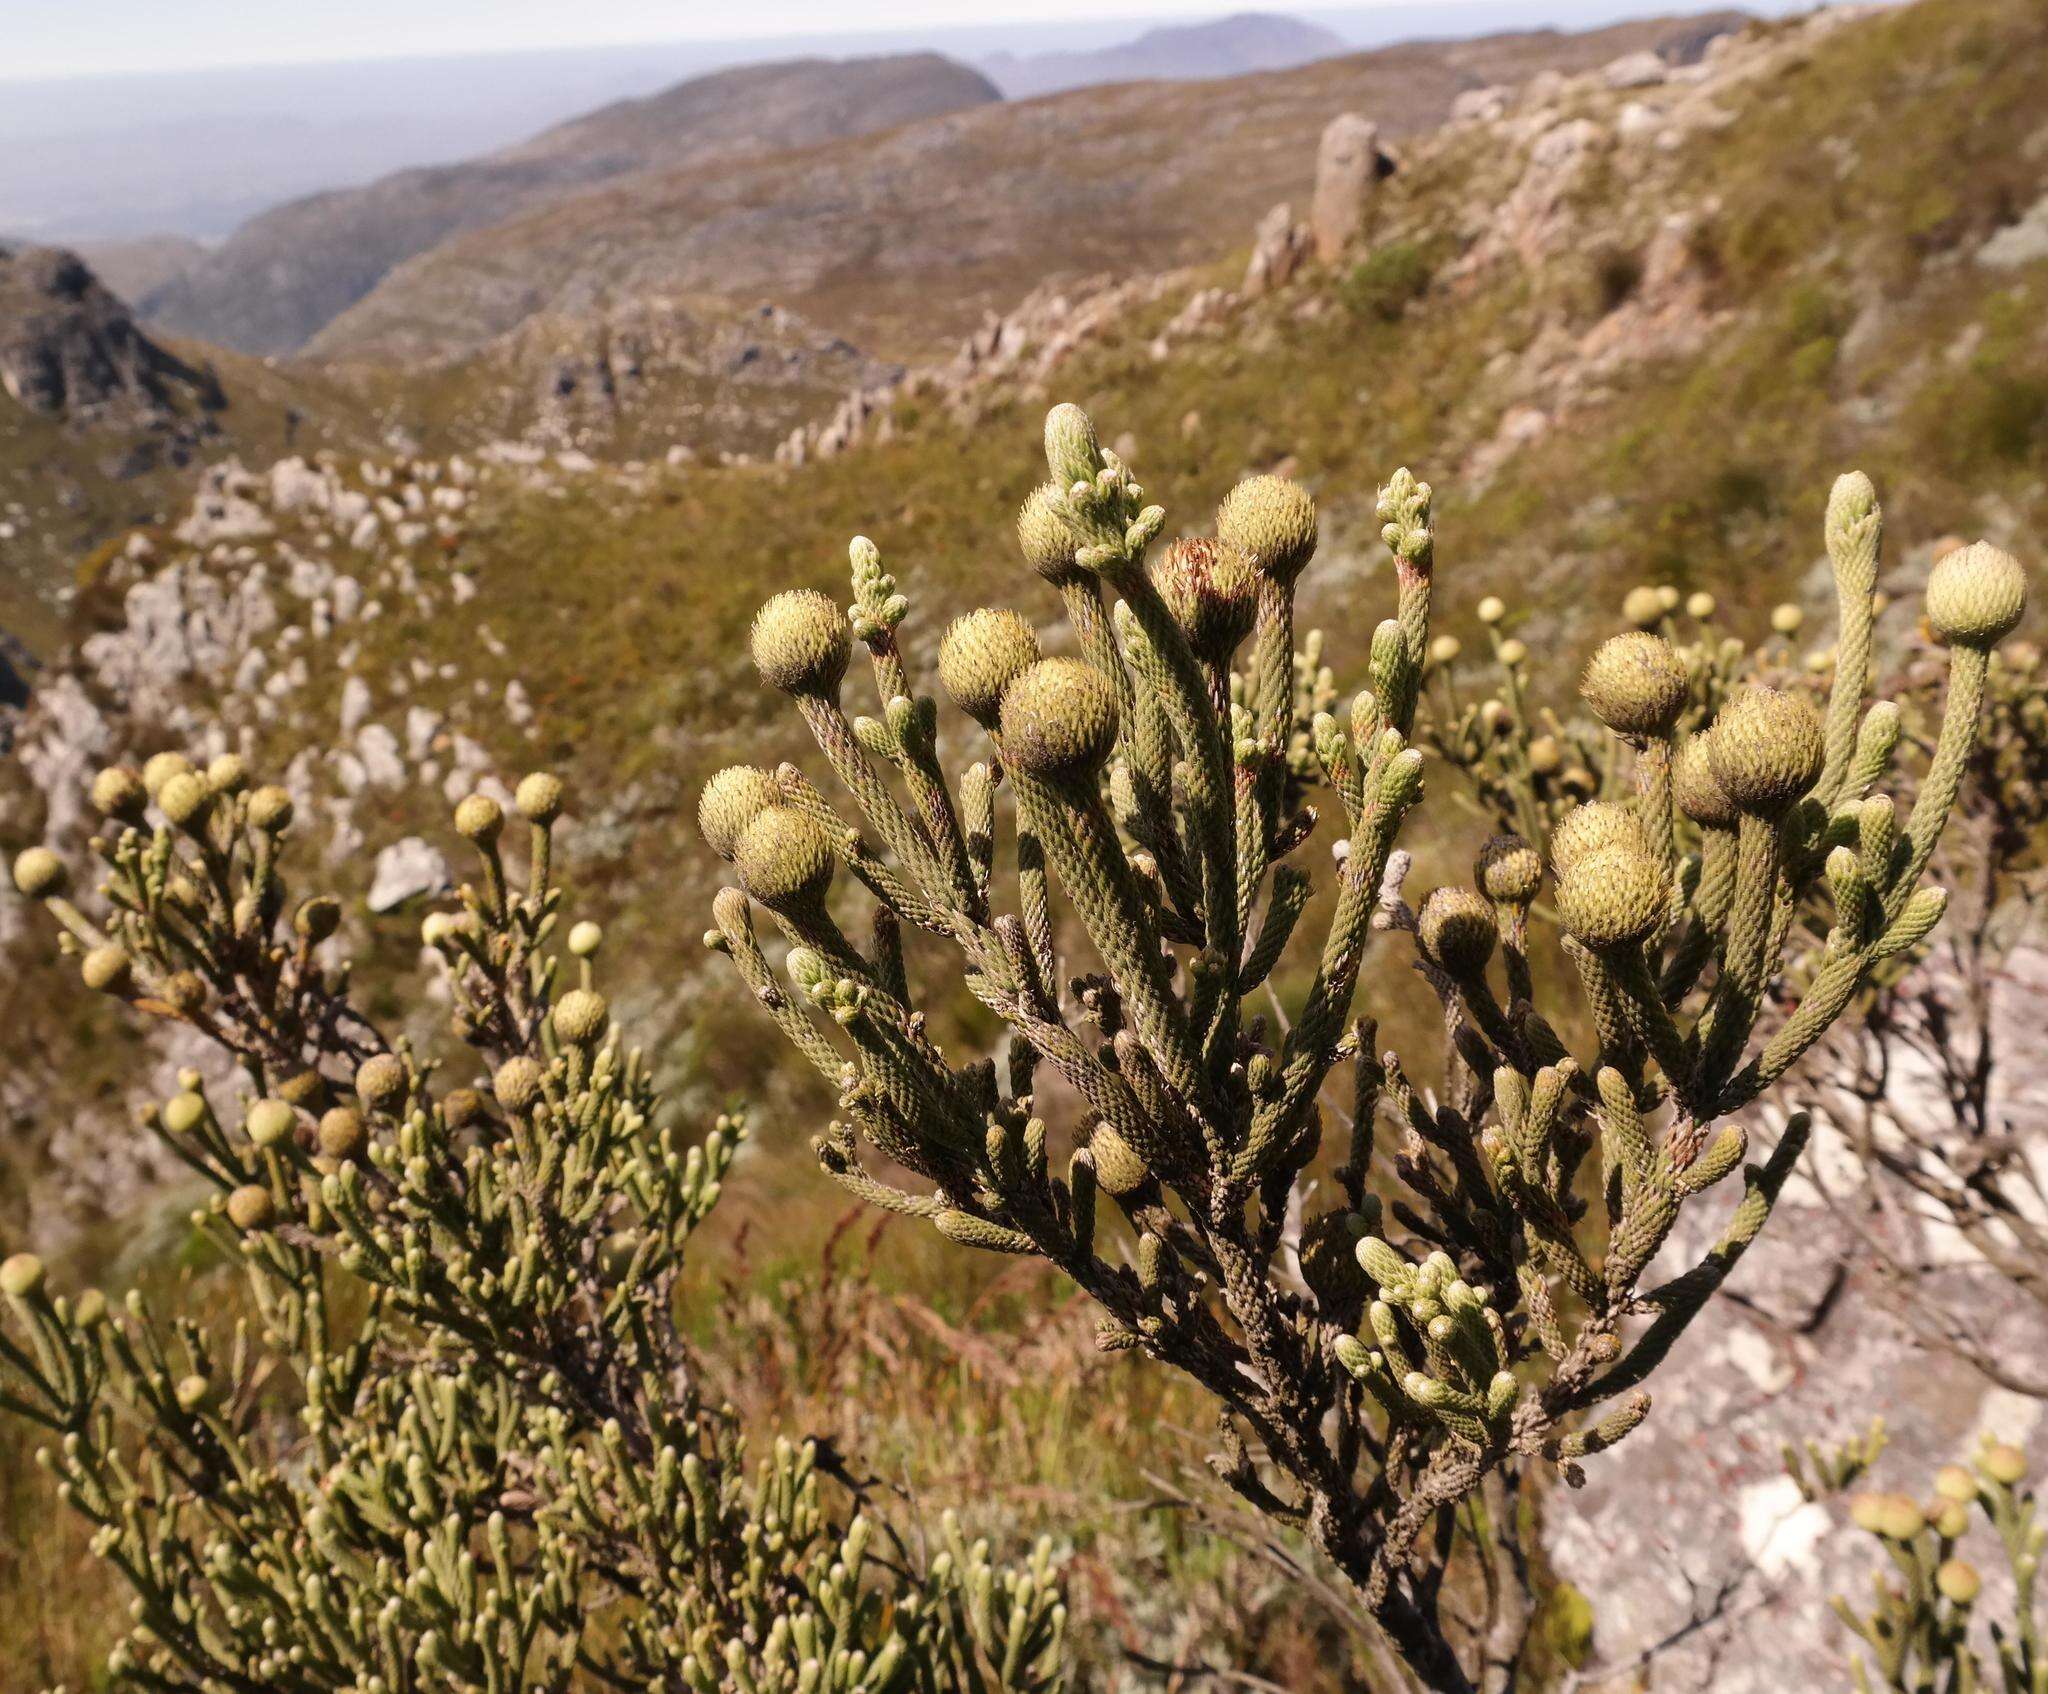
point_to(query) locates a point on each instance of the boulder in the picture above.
(1349, 165)
(1279, 245)
(406, 868)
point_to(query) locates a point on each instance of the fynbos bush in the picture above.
(1476, 1304)
(458, 1443)
(1927, 1625)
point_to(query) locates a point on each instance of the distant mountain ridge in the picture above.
(1232, 46)
(905, 238)
(285, 274)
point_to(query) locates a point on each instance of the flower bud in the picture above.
(1072, 453)
(518, 1083)
(2003, 1463)
(1611, 898)
(270, 809)
(269, 1122)
(1211, 591)
(1636, 685)
(1958, 1580)
(1976, 596)
(1643, 606)
(1698, 793)
(160, 768)
(1508, 870)
(1118, 1169)
(1766, 750)
(21, 1277)
(731, 800)
(1456, 929)
(784, 859)
(1898, 1518)
(461, 1107)
(40, 874)
(1272, 522)
(801, 642)
(341, 1134)
(228, 774)
(381, 1082)
(1700, 607)
(585, 938)
(1512, 651)
(183, 1113)
(1445, 649)
(1044, 535)
(185, 801)
(1491, 610)
(194, 1393)
(580, 1017)
(251, 1207)
(1786, 618)
(106, 969)
(539, 797)
(1954, 1482)
(980, 655)
(1059, 719)
(480, 819)
(1546, 756)
(117, 792)
(1593, 828)
(317, 918)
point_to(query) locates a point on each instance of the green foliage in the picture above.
(1446, 1341)
(1819, 1471)
(1387, 280)
(462, 1443)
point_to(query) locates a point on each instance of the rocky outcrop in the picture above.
(70, 349)
(1279, 246)
(1349, 166)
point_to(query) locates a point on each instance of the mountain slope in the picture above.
(286, 273)
(104, 428)
(1233, 46)
(904, 239)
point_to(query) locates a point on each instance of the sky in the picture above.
(61, 38)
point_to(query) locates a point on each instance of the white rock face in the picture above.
(404, 869)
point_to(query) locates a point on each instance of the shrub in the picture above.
(1481, 1307)
(1923, 1628)
(460, 1443)
(1388, 280)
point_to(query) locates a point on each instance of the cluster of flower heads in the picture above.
(454, 1439)
(1465, 1302)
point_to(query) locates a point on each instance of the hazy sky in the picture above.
(47, 38)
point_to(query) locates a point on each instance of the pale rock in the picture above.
(1480, 105)
(377, 748)
(1637, 121)
(355, 704)
(421, 726)
(1347, 172)
(296, 486)
(406, 868)
(2018, 243)
(1644, 69)
(1279, 245)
